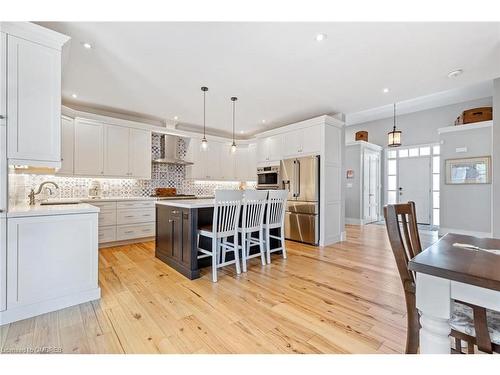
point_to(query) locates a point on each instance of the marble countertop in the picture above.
(188, 203)
(49, 210)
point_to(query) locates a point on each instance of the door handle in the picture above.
(297, 178)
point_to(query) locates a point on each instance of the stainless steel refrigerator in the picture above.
(300, 176)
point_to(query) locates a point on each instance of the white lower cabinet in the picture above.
(3, 264)
(129, 232)
(125, 220)
(52, 263)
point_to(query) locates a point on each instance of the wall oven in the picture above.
(268, 178)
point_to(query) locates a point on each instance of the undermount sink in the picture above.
(53, 203)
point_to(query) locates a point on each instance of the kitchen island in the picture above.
(176, 224)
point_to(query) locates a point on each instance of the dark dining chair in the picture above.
(471, 324)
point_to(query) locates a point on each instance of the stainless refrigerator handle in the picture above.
(297, 178)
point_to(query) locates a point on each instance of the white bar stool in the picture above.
(252, 220)
(275, 218)
(224, 225)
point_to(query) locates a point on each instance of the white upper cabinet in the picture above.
(270, 148)
(302, 141)
(89, 148)
(116, 150)
(140, 153)
(3, 79)
(34, 103)
(67, 146)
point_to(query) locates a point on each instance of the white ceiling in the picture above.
(279, 72)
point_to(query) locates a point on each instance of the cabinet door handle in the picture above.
(175, 212)
(170, 221)
(129, 231)
(129, 216)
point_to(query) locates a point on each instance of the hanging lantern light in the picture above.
(204, 142)
(394, 135)
(233, 146)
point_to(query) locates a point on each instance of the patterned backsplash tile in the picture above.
(162, 175)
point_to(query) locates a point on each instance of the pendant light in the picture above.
(204, 142)
(233, 146)
(394, 135)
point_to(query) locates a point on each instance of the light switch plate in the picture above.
(461, 149)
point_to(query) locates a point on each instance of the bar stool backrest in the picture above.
(254, 203)
(226, 212)
(276, 205)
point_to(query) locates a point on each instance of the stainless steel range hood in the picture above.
(169, 150)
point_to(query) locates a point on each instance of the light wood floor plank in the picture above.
(345, 298)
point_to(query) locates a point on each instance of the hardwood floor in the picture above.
(345, 298)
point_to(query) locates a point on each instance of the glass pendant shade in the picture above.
(394, 135)
(204, 144)
(394, 138)
(233, 148)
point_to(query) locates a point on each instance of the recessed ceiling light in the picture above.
(263, 121)
(242, 132)
(74, 96)
(320, 37)
(385, 90)
(87, 45)
(176, 117)
(455, 73)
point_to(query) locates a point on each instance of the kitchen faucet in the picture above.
(32, 193)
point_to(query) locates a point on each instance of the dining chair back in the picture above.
(226, 212)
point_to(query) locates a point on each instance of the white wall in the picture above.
(496, 158)
(465, 208)
(418, 127)
(353, 193)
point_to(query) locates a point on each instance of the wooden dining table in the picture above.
(444, 273)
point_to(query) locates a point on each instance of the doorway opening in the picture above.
(412, 174)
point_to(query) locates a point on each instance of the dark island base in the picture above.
(176, 239)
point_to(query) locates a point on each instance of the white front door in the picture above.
(415, 184)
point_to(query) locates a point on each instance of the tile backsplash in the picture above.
(162, 175)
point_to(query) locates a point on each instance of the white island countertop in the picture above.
(188, 203)
(50, 210)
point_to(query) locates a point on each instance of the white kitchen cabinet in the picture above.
(140, 153)
(246, 165)
(116, 150)
(67, 146)
(51, 258)
(89, 148)
(3, 79)
(208, 164)
(34, 103)
(302, 141)
(270, 148)
(227, 165)
(3, 264)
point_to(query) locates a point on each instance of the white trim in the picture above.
(35, 33)
(320, 120)
(443, 231)
(353, 221)
(465, 127)
(365, 144)
(28, 311)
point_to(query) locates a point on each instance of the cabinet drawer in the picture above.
(135, 204)
(104, 206)
(135, 216)
(107, 234)
(107, 218)
(128, 232)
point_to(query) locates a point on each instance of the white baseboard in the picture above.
(332, 239)
(442, 231)
(29, 311)
(353, 221)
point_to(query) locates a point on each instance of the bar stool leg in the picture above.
(268, 246)
(244, 251)
(282, 231)
(236, 253)
(214, 259)
(261, 247)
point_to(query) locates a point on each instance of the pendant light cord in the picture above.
(204, 89)
(234, 99)
(394, 117)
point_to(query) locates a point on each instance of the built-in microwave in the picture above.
(268, 178)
